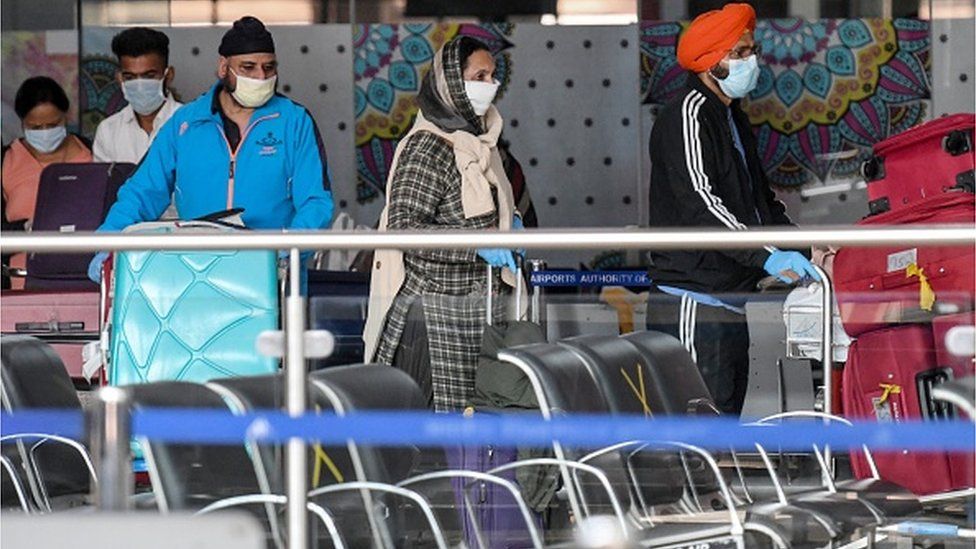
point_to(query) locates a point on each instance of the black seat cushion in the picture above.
(568, 387)
(371, 387)
(193, 475)
(675, 374)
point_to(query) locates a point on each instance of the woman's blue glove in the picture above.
(517, 223)
(95, 267)
(518, 226)
(498, 257)
(779, 262)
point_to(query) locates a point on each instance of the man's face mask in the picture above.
(145, 95)
(47, 140)
(481, 94)
(253, 92)
(742, 78)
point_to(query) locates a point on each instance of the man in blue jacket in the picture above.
(239, 145)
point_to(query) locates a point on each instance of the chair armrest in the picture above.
(575, 466)
(506, 484)
(389, 489)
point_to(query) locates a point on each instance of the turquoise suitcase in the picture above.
(190, 316)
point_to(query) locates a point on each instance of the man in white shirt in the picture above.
(144, 75)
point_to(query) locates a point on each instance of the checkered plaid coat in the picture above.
(425, 195)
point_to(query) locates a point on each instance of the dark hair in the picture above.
(139, 41)
(37, 90)
(467, 46)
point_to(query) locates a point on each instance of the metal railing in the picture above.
(570, 239)
(577, 239)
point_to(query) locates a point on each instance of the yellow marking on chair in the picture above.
(321, 456)
(640, 393)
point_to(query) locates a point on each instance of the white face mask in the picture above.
(481, 94)
(144, 94)
(47, 140)
(253, 92)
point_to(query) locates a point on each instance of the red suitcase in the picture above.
(66, 320)
(878, 287)
(888, 377)
(924, 161)
(963, 465)
(961, 366)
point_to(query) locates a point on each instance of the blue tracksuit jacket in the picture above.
(278, 174)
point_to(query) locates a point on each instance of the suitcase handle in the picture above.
(879, 206)
(872, 169)
(489, 287)
(957, 142)
(14, 272)
(220, 215)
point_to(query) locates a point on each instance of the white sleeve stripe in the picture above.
(694, 162)
(704, 188)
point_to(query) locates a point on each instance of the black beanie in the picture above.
(248, 35)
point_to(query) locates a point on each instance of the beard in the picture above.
(227, 84)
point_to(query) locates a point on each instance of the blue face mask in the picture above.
(46, 141)
(742, 78)
(145, 95)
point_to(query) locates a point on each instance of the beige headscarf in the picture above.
(481, 168)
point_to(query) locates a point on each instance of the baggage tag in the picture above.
(900, 261)
(91, 354)
(882, 410)
(885, 409)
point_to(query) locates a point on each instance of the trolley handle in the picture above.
(489, 286)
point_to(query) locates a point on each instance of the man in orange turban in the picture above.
(706, 172)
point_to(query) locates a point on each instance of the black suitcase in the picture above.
(337, 302)
(70, 198)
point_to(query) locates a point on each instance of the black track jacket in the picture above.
(698, 179)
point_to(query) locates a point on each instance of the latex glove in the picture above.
(498, 257)
(95, 267)
(784, 264)
(517, 224)
(284, 261)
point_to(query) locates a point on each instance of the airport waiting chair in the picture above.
(189, 477)
(852, 512)
(57, 471)
(563, 384)
(12, 486)
(354, 483)
(276, 502)
(623, 375)
(888, 501)
(379, 473)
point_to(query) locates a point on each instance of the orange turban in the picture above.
(712, 34)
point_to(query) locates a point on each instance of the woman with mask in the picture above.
(42, 107)
(427, 307)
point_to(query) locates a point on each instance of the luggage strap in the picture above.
(926, 296)
(889, 389)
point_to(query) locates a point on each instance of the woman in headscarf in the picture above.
(427, 307)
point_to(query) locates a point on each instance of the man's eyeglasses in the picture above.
(746, 51)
